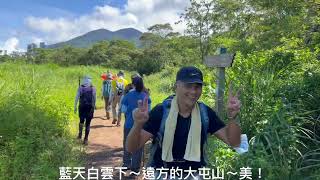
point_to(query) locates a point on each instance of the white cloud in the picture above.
(107, 11)
(139, 14)
(11, 44)
(36, 40)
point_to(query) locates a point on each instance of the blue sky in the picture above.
(52, 21)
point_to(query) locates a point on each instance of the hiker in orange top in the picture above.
(118, 86)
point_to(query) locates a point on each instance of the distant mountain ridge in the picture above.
(88, 39)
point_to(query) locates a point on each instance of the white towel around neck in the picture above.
(193, 148)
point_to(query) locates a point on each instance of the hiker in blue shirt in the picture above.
(86, 95)
(180, 124)
(129, 103)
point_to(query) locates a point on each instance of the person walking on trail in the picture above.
(180, 124)
(107, 93)
(86, 95)
(118, 86)
(130, 87)
(129, 103)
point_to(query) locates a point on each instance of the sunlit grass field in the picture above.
(38, 124)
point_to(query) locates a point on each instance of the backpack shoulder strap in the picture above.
(204, 118)
(157, 140)
(166, 105)
(81, 89)
(204, 133)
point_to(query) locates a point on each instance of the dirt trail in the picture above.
(105, 148)
(105, 142)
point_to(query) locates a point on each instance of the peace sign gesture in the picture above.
(234, 104)
(141, 114)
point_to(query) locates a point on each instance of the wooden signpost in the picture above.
(220, 61)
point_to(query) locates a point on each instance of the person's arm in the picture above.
(102, 90)
(231, 134)
(138, 136)
(124, 103)
(76, 100)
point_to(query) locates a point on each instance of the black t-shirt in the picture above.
(181, 135)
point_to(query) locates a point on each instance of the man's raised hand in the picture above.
(234, 104)
(141, 114)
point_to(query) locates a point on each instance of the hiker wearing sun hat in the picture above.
(86, 95)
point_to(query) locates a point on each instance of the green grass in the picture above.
(38, 125)
(161, 84)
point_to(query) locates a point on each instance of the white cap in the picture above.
(86, 80)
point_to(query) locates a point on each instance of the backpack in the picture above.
(107, 88)
(119, 87)
(157, 141)
(86, 95)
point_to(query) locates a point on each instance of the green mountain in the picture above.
(86, 40)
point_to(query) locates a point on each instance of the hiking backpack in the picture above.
(120, 87)
(107, 88)
(157, 140)
(86, 96)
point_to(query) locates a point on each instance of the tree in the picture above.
(123, 44)
(97, 54)
(250, 25)
(66, 55)
(156, 34)
(149, 39)
(161, 30)
(200, 19)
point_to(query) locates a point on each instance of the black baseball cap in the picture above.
(190, 74)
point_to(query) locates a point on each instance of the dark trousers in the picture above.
(131, 161)
(85, 115)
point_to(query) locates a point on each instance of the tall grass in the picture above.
(280, 114)
(38, 125)
(161, 84)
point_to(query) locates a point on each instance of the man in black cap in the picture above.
(180, 124)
